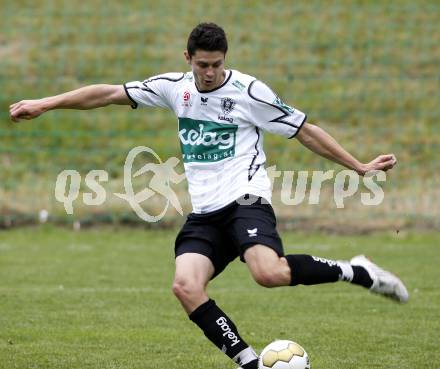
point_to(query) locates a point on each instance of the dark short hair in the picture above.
(207, 37)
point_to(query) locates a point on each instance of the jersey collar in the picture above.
(217, 88)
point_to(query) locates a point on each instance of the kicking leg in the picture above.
(266, 267)
(270, 270)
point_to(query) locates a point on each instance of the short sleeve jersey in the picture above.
(220, 132)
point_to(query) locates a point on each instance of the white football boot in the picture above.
(384, 283)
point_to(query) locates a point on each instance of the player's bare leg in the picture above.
(266, 267)
(193, 273)
(270, 270)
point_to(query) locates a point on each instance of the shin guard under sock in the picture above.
(222, 332)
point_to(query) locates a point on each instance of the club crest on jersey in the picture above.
(227, 104)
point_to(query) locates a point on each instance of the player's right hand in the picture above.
(26, 109)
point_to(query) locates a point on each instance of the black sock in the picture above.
(223, 333)
(251, 365)
(361, 277)
(306, 269)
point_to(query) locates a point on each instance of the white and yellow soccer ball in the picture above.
(283, 354)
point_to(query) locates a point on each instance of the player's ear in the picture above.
(187, 56)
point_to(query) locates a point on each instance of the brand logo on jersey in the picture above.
(205, 141)
(278, 102)
(252, 232)
(239, 85)
(204, 101)
(223, 117)
(186, 98)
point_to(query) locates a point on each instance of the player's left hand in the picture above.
(382, 162)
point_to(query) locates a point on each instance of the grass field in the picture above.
(367, 71)
(101, 298)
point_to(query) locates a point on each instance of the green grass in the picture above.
(367, 71)
(102, 298)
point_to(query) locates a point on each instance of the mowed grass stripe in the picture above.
(102, 298)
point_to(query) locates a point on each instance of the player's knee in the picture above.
(266, 278)
(181, 288)
(186, 290)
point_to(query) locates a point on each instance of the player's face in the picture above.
(208, 68)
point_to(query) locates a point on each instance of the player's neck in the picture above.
(204, 88)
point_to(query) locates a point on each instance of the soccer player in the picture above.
(222, 114)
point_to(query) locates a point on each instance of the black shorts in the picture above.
(224, 234)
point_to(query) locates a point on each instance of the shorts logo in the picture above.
(252, 232)
(205, 141)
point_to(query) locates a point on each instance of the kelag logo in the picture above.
(204, 141)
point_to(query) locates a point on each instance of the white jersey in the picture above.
(220, 132)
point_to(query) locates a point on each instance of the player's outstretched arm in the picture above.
(89, 97)
(320, 142)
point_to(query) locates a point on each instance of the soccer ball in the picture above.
(283, 354)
